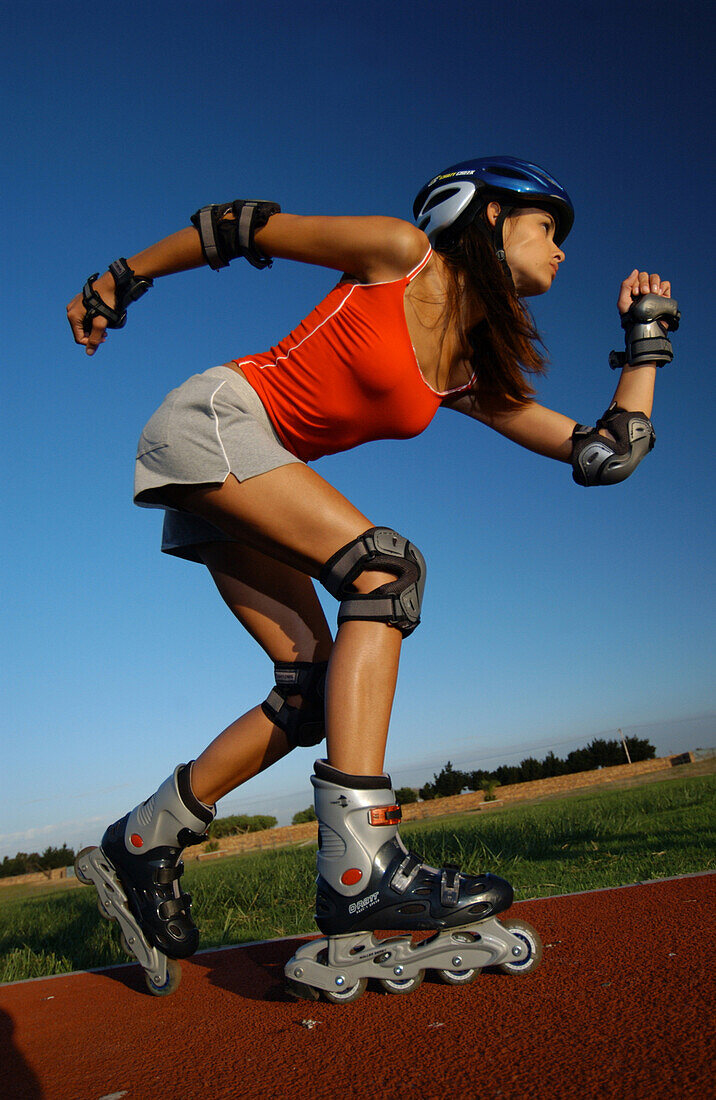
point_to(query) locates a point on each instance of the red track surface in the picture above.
(622, 1006)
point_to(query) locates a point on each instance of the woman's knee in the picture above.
(379, 576)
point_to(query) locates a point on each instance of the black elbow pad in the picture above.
(599, 461)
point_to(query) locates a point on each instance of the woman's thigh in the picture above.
(290, 513)
(276, 603)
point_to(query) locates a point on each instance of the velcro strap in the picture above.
(174, 906)
(208, 238)
(246, 218)
(95, 307)
(405, 873)
(129, 287)
(252, 215)
(381, 609)
(385, 815)
(166, 875)
(274, 704)
(449, 885)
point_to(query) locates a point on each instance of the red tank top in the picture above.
(347, 374)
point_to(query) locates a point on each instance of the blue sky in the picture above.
(552, 613)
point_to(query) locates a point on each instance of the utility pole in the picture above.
(623, 741)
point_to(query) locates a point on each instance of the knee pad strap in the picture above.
(396, 603)
(304, 724)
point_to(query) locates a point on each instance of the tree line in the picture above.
(598, 754)
(25, 863)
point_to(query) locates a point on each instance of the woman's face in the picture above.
(531, 253)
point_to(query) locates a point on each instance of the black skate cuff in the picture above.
(192, 803)
(323, 770)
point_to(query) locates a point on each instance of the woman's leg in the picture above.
(294, 516)
(279, 608)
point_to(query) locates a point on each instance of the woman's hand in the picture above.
(635, 391)
(637, 285)
(76, 313)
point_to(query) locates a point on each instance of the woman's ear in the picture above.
(493, 212)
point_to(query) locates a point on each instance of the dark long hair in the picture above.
(503, 344)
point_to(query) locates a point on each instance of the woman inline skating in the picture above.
(424, 316)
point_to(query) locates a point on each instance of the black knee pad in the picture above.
(304, 724)
(396, 603)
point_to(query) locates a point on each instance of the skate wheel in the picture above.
(457, 977)
(345, 996)
(172, 980)
(79, 874)
(407, 985)
(529, 936)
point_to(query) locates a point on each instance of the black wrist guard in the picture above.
(598, 461)
(644, 336)
(224, 239)
(129, 288)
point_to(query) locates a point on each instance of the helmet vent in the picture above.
(441, 196)
(510, 173)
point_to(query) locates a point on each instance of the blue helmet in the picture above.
(453, 199)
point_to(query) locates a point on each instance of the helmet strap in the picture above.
(493, 233)
(497, 240)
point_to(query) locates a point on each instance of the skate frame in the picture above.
(93, 866)
(360, 955)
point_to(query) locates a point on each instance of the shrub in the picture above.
(309, 814)
(237, 824)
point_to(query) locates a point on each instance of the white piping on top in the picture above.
(308, 335)
(438, 393)
(364, 286)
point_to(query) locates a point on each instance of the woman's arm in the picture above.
(533, 426)
(371, 249)
(550, 433)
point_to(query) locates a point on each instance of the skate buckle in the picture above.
(450, 886)
(405, 873)
(385, 815)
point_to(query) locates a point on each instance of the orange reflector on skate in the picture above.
(351, 877)
(385, 815)
(136, 840)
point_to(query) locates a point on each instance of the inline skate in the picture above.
(368, 881)
(136, 871)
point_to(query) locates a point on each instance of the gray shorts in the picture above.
(211, 426)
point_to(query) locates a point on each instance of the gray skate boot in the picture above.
(137, 869)
(368, 881)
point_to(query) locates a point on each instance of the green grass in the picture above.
(578, 843)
